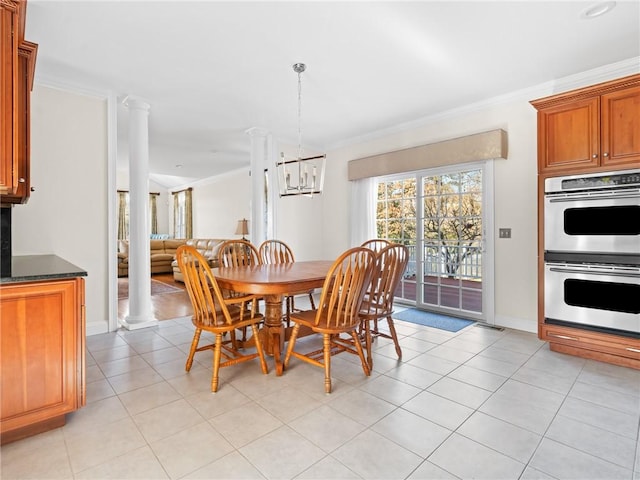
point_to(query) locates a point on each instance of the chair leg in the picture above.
(263, 363)
(358, 345)
(217, 351)
(194, 346)
(291, 344)
(290, 307)
(326, 348)
(367, 339)
(392, 329)
(313, 304)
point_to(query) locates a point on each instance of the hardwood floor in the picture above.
(164, 306)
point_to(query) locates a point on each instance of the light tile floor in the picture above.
(479, 403)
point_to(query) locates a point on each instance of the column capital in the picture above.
(135, 103)
(257, 132)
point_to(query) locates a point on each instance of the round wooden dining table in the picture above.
(273, 282)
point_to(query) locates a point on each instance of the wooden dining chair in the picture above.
(277, 252)
(239, 253)
(376, 244)
(377, 304)
(340, 302)
(216, 314)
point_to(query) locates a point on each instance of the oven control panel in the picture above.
(628, 178)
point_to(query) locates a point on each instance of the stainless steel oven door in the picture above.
(601, 296)
(593, 222)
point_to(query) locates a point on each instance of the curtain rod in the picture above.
(184, 190)
(127, 191)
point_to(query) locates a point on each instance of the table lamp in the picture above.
(243, 228)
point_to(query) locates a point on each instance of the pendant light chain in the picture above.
(299, 68)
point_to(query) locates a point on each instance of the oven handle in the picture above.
(582, 197)
(595, 272)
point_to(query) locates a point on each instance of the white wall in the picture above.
(67, 213)
(219, 202)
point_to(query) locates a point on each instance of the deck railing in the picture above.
(448, 259)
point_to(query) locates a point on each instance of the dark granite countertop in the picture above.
(32, 268)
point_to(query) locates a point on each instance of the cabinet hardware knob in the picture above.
(605, 154)
(21, 180)
(595, 155)
(33, 189)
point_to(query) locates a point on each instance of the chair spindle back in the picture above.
(237, 253)
(203, 290)
(275, 251)
(376, 244)
(391, 262)
(345, 286)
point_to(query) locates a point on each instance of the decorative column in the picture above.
(140, 312)
(262, 220)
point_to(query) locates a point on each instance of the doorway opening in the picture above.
(444, 217)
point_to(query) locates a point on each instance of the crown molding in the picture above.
(52, 82)
(213, 179)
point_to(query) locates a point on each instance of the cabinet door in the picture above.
(621, 128)
(568, 135)
(26, 67)
(8, 95)
(41, 366)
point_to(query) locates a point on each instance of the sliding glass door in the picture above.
(441, 216)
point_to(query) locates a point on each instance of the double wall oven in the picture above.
(592, 252)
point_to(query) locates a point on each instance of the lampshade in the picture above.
(243, 227)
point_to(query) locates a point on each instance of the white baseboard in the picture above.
(516, 323)
(95, 328)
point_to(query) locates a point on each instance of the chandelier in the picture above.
(300, 176)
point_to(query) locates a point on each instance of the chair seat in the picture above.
(308, 318)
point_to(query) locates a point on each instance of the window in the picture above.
(182, 214)
(123, 214)
(439, 215)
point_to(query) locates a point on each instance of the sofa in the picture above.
(163, 254)
(208, 247)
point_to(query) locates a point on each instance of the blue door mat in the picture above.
(435, 320)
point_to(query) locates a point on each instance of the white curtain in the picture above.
(363, 210)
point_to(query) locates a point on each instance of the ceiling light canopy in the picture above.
(300, 176)
(597, 10)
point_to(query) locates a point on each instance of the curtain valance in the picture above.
(480, 146)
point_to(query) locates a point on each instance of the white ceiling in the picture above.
(211, 70)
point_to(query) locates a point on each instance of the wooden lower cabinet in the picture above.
(42, 356)
(603, 347)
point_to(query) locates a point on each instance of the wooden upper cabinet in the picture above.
(26, 67)
(9, 30)
(621, 127)
(569, 135)
(596, 127)
(16, 81)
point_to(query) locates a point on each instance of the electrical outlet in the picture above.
(504, 232)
